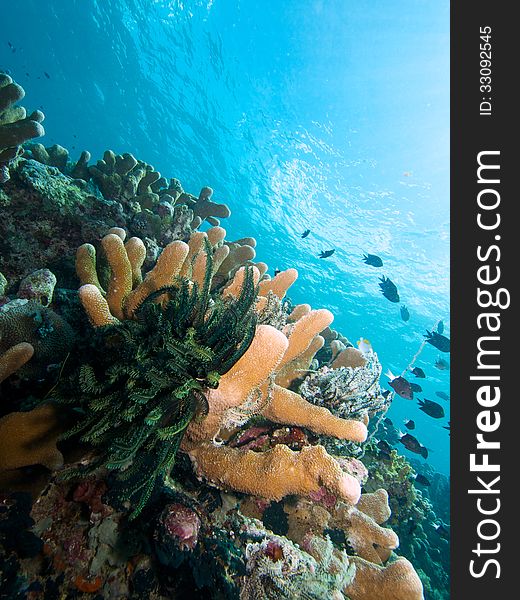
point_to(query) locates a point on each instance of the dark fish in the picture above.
(448, 426)
(440, 327)
(443, 395)
(306, 233)
(384, 445)
(389, 289)
(10, 45)
(46, 75)
(442, 364)
(440, 342)
(384, 449)
(412, 443)
(416, 388)
(276, 271)
(326, 254)
(432, 409)
(405, 313)
(422, 479)
(418, 372)
(372, 260)
(412, 525)
(401, 387)
(388, 421)
(442, 531)
(409, 424)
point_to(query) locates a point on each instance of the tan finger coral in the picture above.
(14, 358)
(15, 126)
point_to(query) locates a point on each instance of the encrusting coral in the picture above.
(15, 126)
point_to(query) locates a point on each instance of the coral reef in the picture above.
(198, 431)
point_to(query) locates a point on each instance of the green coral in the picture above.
(57, 191)
(148, 377)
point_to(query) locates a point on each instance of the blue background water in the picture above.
(331, 115)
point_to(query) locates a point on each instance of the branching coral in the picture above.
(175, 347)
(248, 389)
(15, 126)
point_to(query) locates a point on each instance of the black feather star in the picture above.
(148, 379)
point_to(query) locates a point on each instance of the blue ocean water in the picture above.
(330, 115)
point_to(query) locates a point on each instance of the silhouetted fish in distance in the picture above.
(405, 313)
(384, 449)
(441, 342)
(448, 427)
(412, 443)
(389, 289)
(400, 385)
(442, 365)
(416, 388)
(443, 396)
(306, 233)
(443, 532)
(421, 479)
(46, 75)
(412, 525)
(409, 424)
(418, 372)
(440, 327)
(432, 409)
(326, 253)
(372, 260)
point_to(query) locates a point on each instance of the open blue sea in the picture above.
(328, 115)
